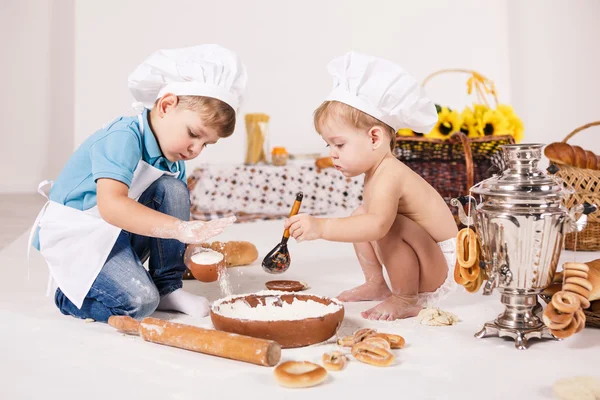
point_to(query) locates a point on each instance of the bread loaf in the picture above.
(324, 162)
(594, 278)
(592, 161)
(236, 253)
(580, 157)
(560, 153)
(564, 154)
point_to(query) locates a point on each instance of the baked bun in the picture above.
(564, 154)
(594, 279)
(324, 162)
(236, 253)
(580, 157)
(560, 153)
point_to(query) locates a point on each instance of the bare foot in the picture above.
(394, 307)
(365, 292)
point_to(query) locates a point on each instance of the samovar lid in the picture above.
(522, 178)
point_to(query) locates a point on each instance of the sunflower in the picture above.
(492, 123)
(449, 121)
(405, 132)
(515, 125)
(479, 110)
(469, 123)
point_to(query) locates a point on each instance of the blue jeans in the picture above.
(123, 286)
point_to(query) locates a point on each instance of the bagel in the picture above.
(565, 302)
(334, 361)
(299, 374)
(373, 355)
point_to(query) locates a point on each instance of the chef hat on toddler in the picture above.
(205, 70)
(383, 90)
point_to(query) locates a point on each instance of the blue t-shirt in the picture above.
(112, 152)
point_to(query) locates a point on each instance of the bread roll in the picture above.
(553, 288)
(324, 162)
(580, 157)
(560, 153)
(236, 253)
(592, 162)
(594, 278)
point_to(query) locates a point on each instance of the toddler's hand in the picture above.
(304, 227)
(199, 231)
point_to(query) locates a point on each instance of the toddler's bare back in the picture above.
(418, 200)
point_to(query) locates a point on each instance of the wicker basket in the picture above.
(586, 186)
(592, 319)
(453, 166)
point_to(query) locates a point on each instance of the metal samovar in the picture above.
(520, 222)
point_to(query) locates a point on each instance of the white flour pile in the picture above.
(274, 309)
(207, 257)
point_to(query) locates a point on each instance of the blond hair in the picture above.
(215, 114)
(350, 115)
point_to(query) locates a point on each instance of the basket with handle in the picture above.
(585, 185)
(454, 165)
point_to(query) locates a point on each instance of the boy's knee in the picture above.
(141, 304)
(172, 187)
(175, 197)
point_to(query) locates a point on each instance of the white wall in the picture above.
(555, 68)
(62, 86)
(24, 89)
(65, 63)
(36, 86)
(286, 46)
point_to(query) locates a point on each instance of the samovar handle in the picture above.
(460, 202)
(575, 224)
(589, 208)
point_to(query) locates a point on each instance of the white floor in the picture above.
(44, 354)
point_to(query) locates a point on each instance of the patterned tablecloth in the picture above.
(267, 192)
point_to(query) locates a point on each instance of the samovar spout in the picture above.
(460, 202)
(498, 274)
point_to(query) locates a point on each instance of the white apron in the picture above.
(77, 243)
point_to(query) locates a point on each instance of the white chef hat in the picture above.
(383, 90)
(205, 70)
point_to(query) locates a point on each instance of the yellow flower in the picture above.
(448, 123)
(479, 110)
(492, 123)
(469, 123)
(473, 119)
(515, 125)
(405, 132)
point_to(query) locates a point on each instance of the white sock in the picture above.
(187, 303)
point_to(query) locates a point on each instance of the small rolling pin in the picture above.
(207, 341)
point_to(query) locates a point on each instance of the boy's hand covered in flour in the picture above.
(198, 231)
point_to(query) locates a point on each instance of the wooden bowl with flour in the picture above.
(290, 319)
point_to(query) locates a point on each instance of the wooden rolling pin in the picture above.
(207, 341)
